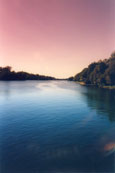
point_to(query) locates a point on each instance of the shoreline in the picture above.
(104, 86)
(81, 83)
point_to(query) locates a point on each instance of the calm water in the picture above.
(56, 126)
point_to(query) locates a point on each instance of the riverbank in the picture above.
(103, 86)
(109, 87)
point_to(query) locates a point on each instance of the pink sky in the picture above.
(55, 37)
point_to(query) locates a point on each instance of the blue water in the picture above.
(56, 126)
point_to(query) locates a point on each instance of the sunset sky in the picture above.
(55, 37)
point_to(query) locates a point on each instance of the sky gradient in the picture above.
(55, 37)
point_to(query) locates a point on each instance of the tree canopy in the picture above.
(98, 73)
(6, 73)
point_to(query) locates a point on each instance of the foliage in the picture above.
(7, 74)
(98, 73)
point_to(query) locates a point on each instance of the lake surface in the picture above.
(56, 126)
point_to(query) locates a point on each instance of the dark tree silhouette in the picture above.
(6, 73)
(98, 73)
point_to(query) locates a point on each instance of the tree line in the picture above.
(6, 73)
(98, 73)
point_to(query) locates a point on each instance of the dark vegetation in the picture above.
(6, 73)
(101, 73)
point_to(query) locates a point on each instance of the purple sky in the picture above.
(55, 37)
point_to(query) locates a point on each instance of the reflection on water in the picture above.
(102, 100)
(56, 126)
(109, 146)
